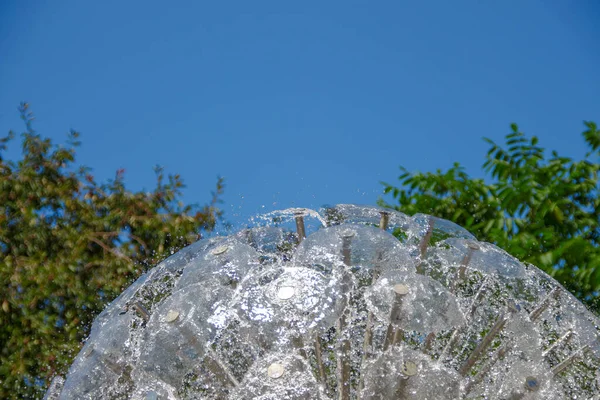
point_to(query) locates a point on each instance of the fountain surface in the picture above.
(351, 302)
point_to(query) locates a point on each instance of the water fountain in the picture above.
(349, 303)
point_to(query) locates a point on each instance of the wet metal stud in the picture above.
(172, 316)
(275, 371)
(409, 368)
(219, 250)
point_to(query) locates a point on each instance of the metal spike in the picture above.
(347, 236)
(300, 227)
(485, 342)
(114, 366)
(367, 346)
(343, 362)
(516, 395)
(319, 357)
(457, 331)
(409, 369)
(213, 363)
(466, 260)
(425, 241)
(398, 336)
(298, 343)
(563, 365)
(219, 369)
(498, 355)
(141, 310)
(385, 219)
(564, 338)
(482, 289)
(535, 314)
(394, 332)
(429, 341)
(55, 388)
(343, 359)
(368, 340)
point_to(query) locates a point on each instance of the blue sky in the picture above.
(297, 104)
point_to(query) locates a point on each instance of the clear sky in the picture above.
(297, 103)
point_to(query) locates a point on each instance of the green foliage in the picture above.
(544, 211)
(68, 246)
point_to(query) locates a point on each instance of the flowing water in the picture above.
(350, 302)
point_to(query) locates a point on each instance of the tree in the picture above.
(545, 211)
(68, 246)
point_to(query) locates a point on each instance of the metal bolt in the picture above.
(275, 371)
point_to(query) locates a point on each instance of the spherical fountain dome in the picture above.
(349, 303)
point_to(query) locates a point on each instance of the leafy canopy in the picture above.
(544, 211)
(68, 246)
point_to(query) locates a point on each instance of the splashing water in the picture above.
(354, 303)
